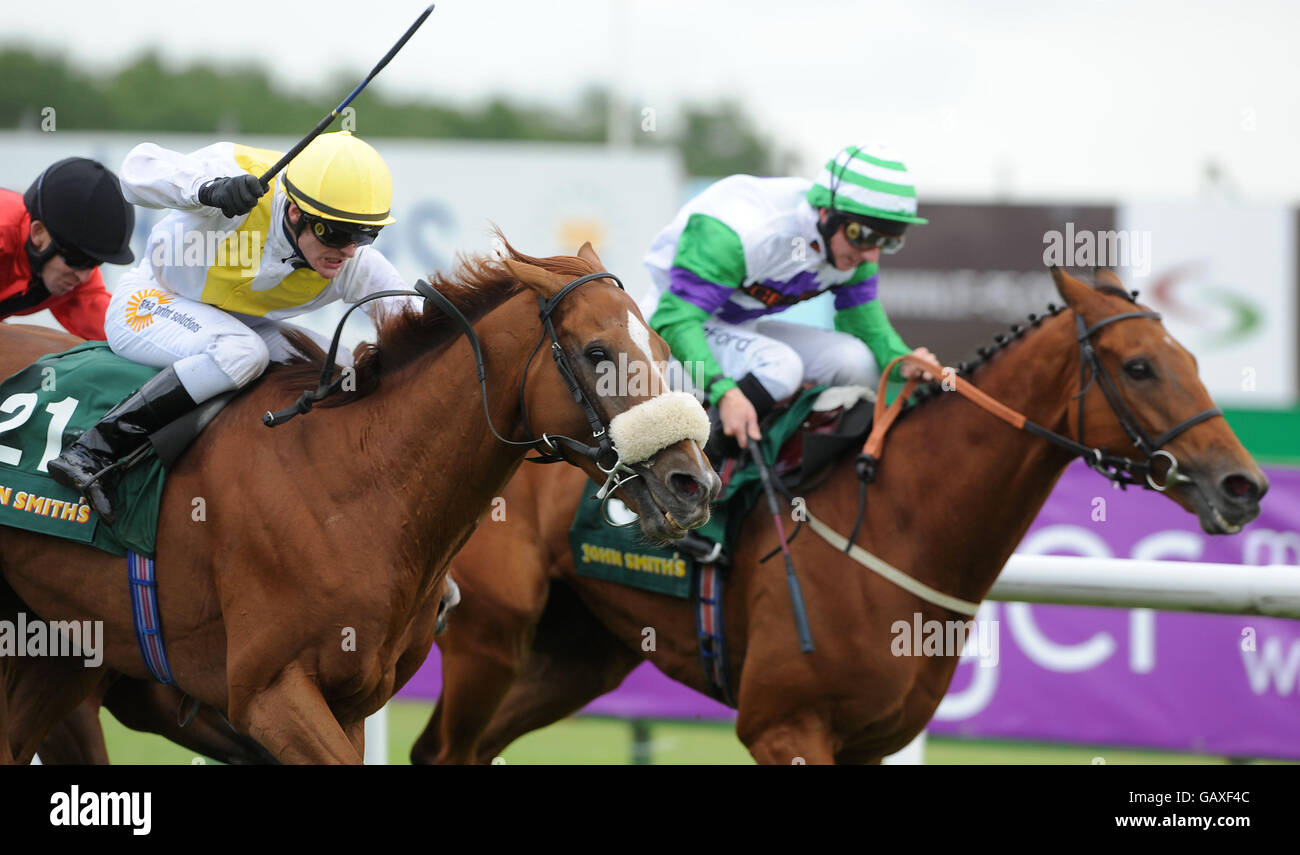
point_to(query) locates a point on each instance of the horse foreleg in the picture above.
(356, 732)
(574, 660)
(471, 693)
(41, 693)
(480, 661)
(77, 740)
(152, 707)
(483, 651)
(799, 740)
(292, 719)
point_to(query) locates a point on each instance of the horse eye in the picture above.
(1138, 369)
(597, 355)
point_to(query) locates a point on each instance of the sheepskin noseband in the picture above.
(656, 424)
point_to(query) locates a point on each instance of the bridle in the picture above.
(1122, 471)
(551, 448)
(616, 473)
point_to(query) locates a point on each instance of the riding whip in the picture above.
(796, 594)
(324, 123)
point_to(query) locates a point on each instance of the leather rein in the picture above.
(1121, 471)
(603, 454)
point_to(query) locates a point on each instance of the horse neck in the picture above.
(423, 457)
(959, 487)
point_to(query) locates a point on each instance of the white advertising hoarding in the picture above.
(1224, 277)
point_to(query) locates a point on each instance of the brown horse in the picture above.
(152, 707)
(955, 494)
(309, 593)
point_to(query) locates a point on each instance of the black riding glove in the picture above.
(234, 196)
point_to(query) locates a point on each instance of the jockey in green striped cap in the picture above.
(747, 248)
(865, 186)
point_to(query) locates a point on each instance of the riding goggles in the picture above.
(862, 237)
(337, 235)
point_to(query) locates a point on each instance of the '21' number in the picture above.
(23, 405)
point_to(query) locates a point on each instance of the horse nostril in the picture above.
(1239, 488)
(685, 485)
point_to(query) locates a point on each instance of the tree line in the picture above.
(145, 95)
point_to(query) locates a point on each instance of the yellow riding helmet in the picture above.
(339, 177)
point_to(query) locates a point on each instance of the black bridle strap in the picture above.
(1086, 334)
(1092, 363)
(605, 449)
(1167, 436)
(598, 431)
(329, 386)
(1115, 468)
(1118, 470)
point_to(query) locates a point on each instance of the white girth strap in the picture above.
(893, 574)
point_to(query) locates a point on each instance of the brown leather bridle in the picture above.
(1121, 471)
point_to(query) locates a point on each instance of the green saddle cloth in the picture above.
(603, 551)
(45, 407)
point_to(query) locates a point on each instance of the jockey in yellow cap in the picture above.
(222, 271)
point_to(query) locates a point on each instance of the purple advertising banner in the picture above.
(1215, 684)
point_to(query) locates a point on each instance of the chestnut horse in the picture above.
(309, 593)
(955, 494)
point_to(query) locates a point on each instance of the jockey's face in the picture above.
(58, 277)
(845, 255)
(325, 260)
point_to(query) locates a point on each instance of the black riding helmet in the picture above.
(80, 203)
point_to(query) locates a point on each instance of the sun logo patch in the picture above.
(140, 307)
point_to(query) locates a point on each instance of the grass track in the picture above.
(603, 741)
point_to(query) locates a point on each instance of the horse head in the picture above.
(616, 368)
(1140, 397)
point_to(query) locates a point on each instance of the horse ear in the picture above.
(1074, 292)
(588, 254)
(542, 281)
(1106, 276)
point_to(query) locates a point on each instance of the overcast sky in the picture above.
(1087, 99)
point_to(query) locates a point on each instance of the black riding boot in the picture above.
(122, 430)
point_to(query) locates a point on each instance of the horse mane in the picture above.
(477, 285)
(929, 391)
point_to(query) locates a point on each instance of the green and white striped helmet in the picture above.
(867, 181)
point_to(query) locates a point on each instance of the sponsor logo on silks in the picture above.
(1224, 315)
(133, 810)
(143, 306)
